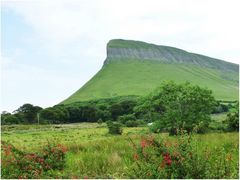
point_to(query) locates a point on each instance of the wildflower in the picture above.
(167, 159)
(143, 143)
(40, 160)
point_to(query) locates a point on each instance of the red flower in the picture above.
(143, 143)
(167, 159)
(40, 160)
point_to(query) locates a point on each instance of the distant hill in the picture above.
(136, 68)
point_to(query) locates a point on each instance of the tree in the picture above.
(55, 115)
(116, 110)
(29, 112)
(12, 119)
(180, 106)
(232, 119)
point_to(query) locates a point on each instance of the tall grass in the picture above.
(93, 153)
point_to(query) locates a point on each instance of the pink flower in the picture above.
(143, 143)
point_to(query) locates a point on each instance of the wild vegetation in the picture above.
(91, 152)
(131, 111)
(125, 137)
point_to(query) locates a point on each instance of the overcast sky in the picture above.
(49, 49)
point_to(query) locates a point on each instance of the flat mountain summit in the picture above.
(122, 49)
(137, 68)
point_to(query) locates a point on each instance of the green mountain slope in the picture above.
(136, 68)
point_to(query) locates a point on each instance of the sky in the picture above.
(49, 49)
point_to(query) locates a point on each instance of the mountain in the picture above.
(137, 68)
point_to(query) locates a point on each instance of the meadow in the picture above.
(93, 153)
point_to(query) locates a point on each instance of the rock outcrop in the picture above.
(127, 49)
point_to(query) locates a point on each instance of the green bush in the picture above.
(100, 121)
(131, 123)
(232, 120)
(114, 128)
(124, 118)
(220, 108)
(163, 159)
(141, 122)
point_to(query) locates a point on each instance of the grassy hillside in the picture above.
(136, 68)
(134, 77)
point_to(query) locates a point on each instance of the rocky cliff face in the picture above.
(126, 49)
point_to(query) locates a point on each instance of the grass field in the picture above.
(93, 153)
(140, 78)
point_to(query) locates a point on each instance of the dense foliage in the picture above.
(232, 119)
(180, 159)
(90, 111)
(179, 106)
(169, 107)
(26, 114)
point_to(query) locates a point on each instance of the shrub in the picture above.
(232, 122)
(124, 118)
(163, 159)
(100, 121)
(114, 128)
(21, 165)
(220, 108)
(131, 123)
(141, 122)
